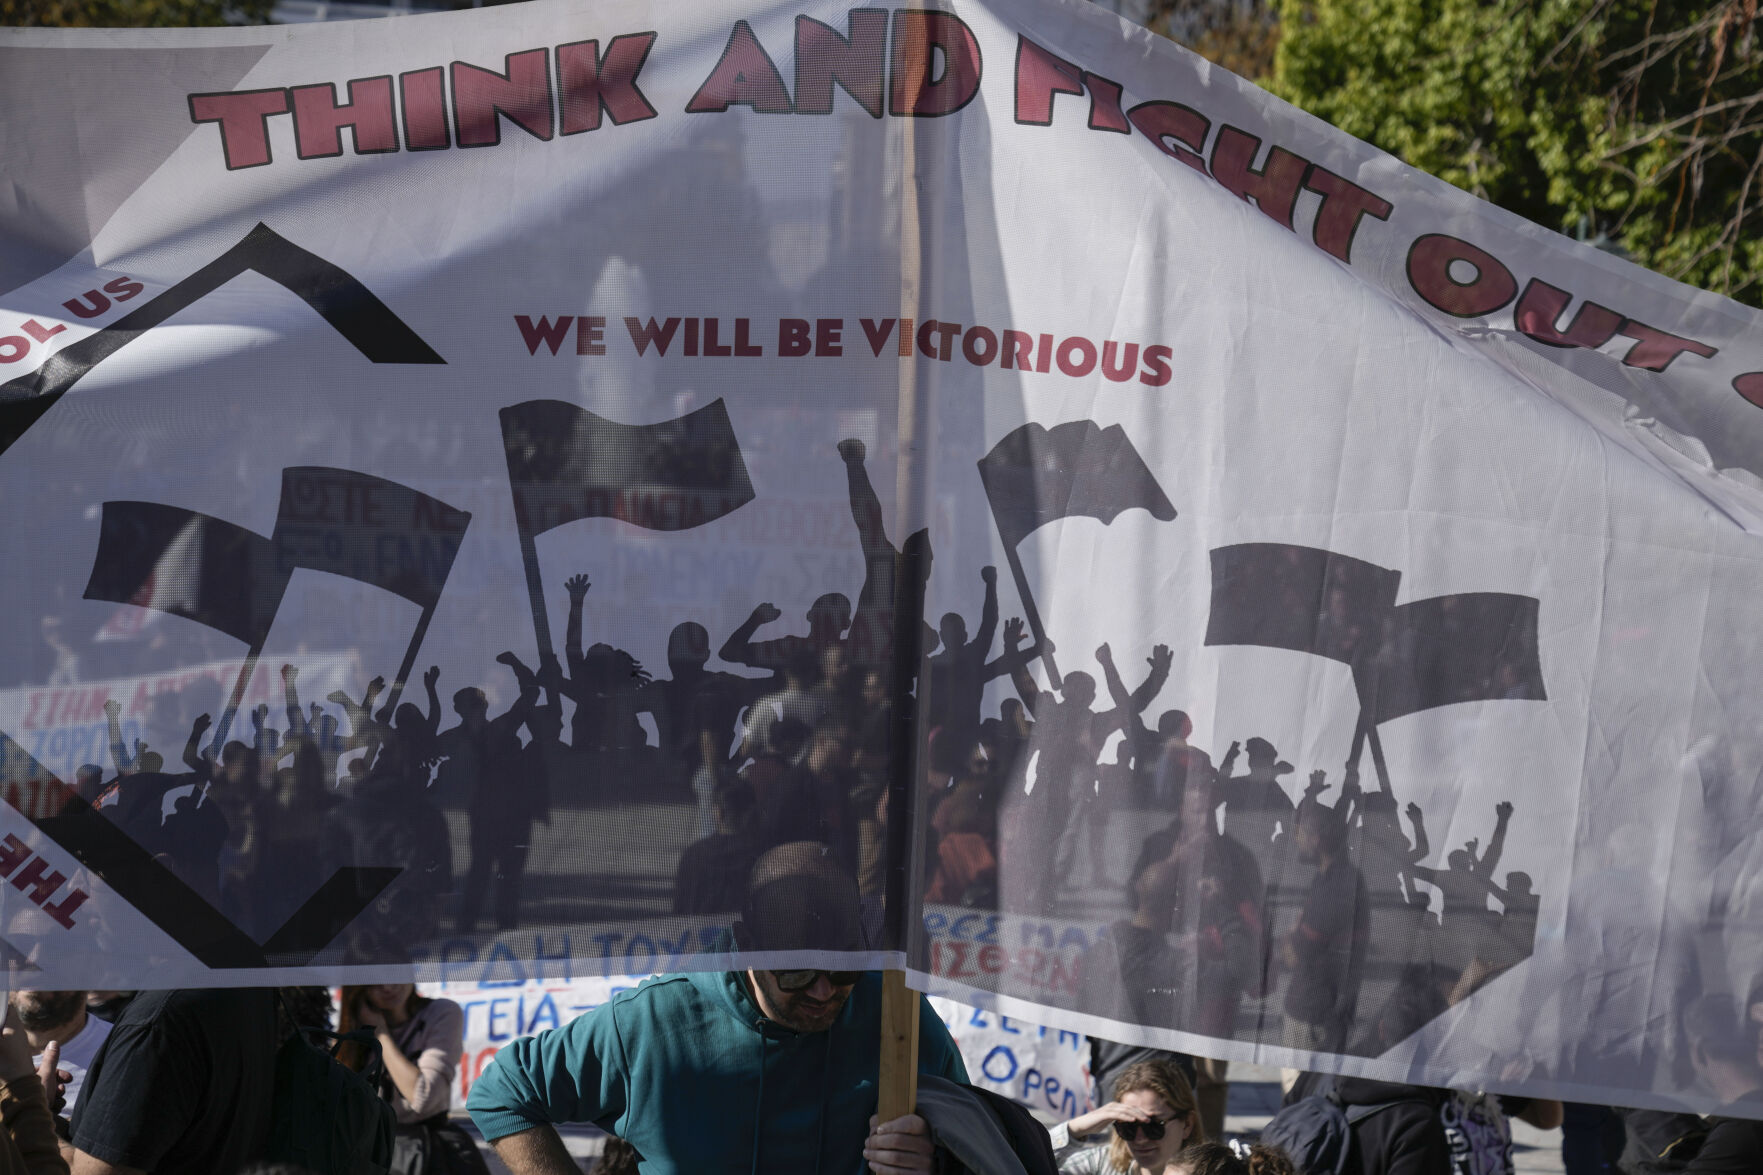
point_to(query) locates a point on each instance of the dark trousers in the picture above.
(1585, 1139)
(498, 851)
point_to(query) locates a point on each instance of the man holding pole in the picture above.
(755, 1070)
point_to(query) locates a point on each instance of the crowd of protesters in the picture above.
(1255, 892)
(186, 1081)
(1276, 889)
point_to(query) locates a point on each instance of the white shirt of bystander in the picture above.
(76, 1058)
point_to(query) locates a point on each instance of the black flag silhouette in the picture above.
(188, 564)
(350, 307)
(1470, 647)
(1074, 470)
(1300, 598)
(1463, 648)
(380, 532)
(232, 579)
(565, 463)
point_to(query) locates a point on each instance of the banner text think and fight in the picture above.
(931, 65)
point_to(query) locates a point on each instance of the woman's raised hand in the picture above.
(1105, 1116)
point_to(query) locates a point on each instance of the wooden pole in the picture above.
(897, 1080)
(897, 1084)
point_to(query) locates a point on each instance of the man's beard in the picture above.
(813, 1018)
(41, 1011)
(799, 1013)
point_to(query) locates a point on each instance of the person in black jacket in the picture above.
(1403, 1135)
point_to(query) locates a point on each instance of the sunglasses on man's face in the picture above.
(801, 980)
(1155, 1129)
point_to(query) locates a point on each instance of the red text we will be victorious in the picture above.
(801, 338)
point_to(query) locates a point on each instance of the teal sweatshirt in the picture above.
(687, 1070)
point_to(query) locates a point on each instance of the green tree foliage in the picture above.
(133, 13)
(1240, 35)
(1636, 120)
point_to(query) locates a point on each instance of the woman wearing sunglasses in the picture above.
(1153, 1116)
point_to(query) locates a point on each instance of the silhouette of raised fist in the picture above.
(989, 574)
(766, 613)
(851, 449)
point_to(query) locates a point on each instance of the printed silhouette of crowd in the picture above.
(1235, 888)
(253, 827)
(257, 820)
(1251, 911)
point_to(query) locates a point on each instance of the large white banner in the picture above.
(1197, 580)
